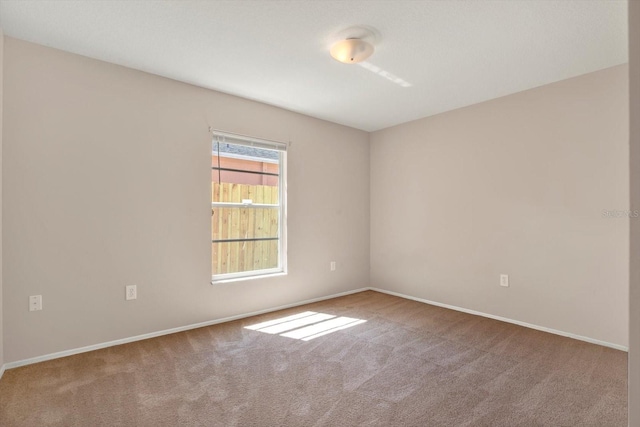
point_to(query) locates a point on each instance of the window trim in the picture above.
(281, 148)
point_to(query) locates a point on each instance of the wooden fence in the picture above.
(244, 223)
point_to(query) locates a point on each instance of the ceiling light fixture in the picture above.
(351, 51)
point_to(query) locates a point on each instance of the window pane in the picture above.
(257, 173)
(237, 150)
(234, 257)
(245, 238)
(244, 223)
(254, 165)
(236, 193)
(262, 166)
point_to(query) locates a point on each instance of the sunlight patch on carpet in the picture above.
(306, 326)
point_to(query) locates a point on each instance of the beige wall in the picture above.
(107, 183)
(634, 288)
(516, 185)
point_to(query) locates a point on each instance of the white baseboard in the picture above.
(504, 319)
(71, 352)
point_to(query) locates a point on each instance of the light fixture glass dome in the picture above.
(351, 51)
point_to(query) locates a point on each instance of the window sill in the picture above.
(241, 279)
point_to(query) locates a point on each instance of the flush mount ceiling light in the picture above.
(353, 45)
(351, 51)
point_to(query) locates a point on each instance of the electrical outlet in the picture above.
(131, 292)
(504, 280)
(332, 266)
(35, 303)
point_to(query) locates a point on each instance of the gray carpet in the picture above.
(408, 364)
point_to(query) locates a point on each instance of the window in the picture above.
(247, 207)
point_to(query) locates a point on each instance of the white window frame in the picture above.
(281, 148)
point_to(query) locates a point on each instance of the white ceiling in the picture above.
(454, 53)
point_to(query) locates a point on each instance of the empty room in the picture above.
(320, 213)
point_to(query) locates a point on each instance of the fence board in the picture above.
(235, 223)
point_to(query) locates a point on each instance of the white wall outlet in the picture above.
(332, 266)
(131, 292)
(504, 280)
(35, 303)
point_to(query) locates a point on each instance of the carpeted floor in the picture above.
(407, 364)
